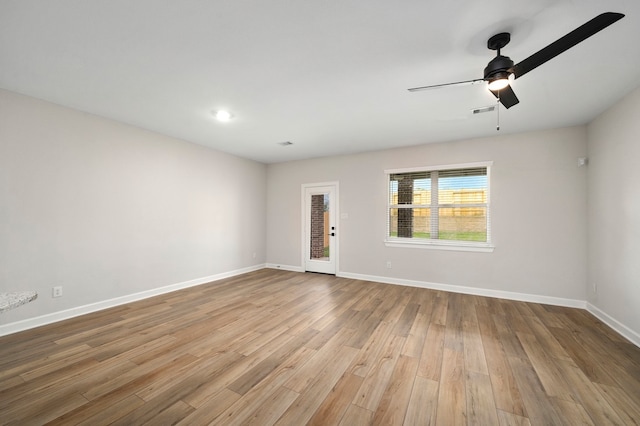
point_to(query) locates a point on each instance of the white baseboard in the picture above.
(523, 297)
(622, 329)
(285, 267)
(30, 323)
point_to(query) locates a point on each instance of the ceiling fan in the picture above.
(501, 71)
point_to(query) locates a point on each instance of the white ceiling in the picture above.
(329, 76)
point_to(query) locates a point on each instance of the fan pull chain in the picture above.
(498, 114)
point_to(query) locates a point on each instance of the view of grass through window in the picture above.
(450, 235)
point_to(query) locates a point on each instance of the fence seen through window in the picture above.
(439, 205)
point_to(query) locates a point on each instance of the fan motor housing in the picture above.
(498, 64)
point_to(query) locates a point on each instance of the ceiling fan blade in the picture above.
(457, 83)
(507, 96)
(559, 46)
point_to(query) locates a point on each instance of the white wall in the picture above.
(107, 210)
(614, 212)
(538, 214)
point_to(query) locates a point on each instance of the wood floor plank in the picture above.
(369, 299)
(62, 360)
(547, 370)
(452, 398)
(329, 331)
(38, 367)
(508, 338)
(262, 369)
(481, 407)
(549, 319)
(165, 400)
(259, 343)
(614, 368)
(42, 387)
(423, 402)
(573, 413)
(393, 404)
(431, 358)
(258, 401)
(510, 419)
(393, 303)
(306, 405)
(589, 396)
(141, 376)
(45, 408)
(454, 330)
(189, 365)
(306, 374)
(338, 401)
(172, 415)
(369, 352)
(236, 366)
(11, 383)
(405, 322)
(338, 309)
(474, 357)
(376, 380)
(539, 408)
(581, 357)
(505, 389)
(547, 340)
(439, 314)
(99, 412)
(211, 408)
(357, 416)
(364, 330)
(624, 404)
(415, 338)
(272, 409)
(517, 321)
(280, 347)
(264, 400)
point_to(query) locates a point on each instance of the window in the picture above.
(443, 207)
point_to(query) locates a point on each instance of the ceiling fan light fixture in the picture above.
(500, 80)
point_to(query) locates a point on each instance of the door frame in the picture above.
(336, 206)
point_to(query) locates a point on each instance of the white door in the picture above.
(320, 233)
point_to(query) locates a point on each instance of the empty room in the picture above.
(328, 213)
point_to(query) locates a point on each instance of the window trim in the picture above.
(441, 244)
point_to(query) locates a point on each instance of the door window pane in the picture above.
(319, 227)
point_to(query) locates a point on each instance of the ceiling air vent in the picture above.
(484, 109)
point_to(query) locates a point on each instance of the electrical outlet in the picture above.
(56, 291)
(595, 287)
(254, 254)
(388, 264)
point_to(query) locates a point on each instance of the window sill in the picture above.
(441, 245)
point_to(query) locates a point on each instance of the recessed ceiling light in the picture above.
(285, 143)
(222, 115)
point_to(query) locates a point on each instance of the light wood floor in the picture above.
(276, 347)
